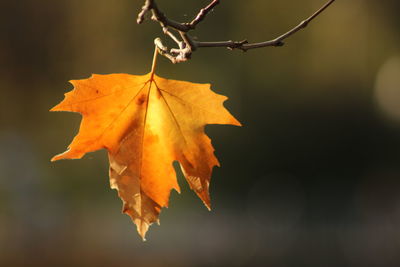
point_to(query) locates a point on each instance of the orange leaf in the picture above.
(147, 122)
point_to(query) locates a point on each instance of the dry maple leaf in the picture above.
(146, 122)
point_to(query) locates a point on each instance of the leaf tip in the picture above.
(55, 108)
(55, 158)
(235, 122)
(206, 200)
(142, 228)
(73, 82)
(68, 154)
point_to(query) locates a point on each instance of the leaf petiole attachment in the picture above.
(154, 63)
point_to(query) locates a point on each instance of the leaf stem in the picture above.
(154, 64)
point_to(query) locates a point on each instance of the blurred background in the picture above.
(311, 179)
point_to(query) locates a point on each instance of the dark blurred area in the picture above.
(311, 179)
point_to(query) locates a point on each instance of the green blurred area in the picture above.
(311, 179)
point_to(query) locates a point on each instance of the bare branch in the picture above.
(157, 15)
(163, 50)
(202, 14)
(173, 37)
(186, 46)
(228, 44)
(278, 41)
(146, 7)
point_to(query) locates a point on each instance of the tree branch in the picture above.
(187, 45)
(202, 14)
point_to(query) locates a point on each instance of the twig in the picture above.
(187, 45)
(163, 50)
(157, 15)
(202, 14)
